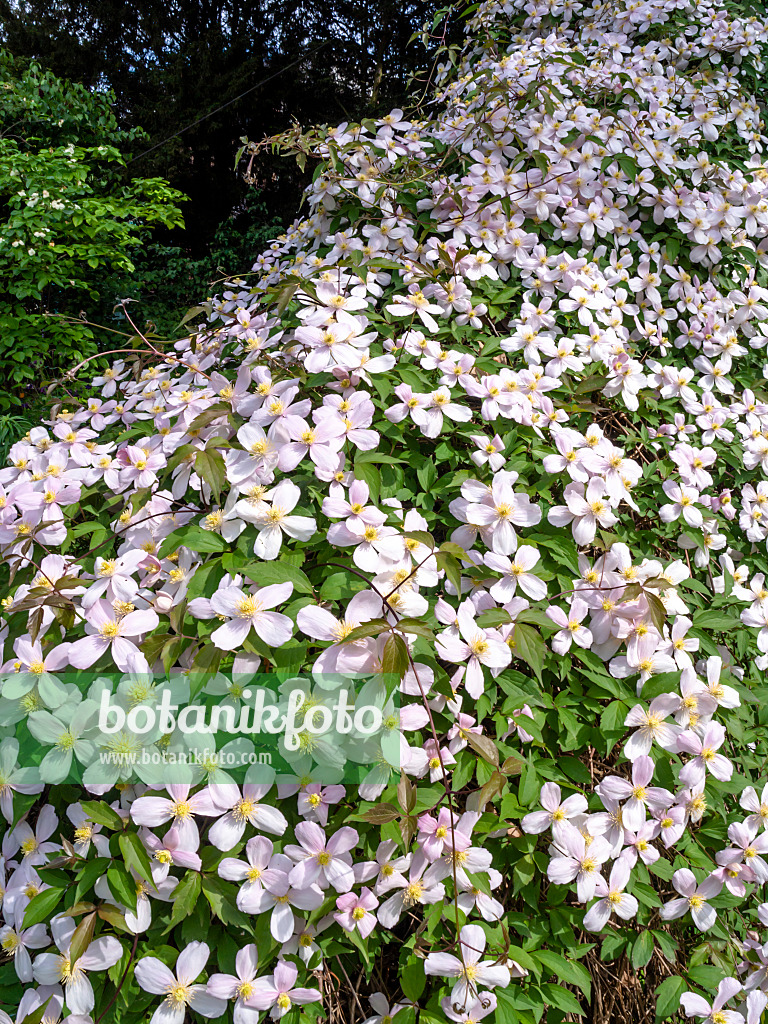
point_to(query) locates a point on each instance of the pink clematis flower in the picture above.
(244, 810)
(320, 860)
(277, 993)
(475, 645)
(571, 629)
(357, 912)
(179, 989)
(585, 511)
(181, 809)
(239, 987)
(250, 610)
(469, 971)
(696, 1006)
(556, 810)
(58, 969)
(501, 511)
(109, 631)
(255, 873)
(613, 898)
(276, 520)
(578, 861)
(650, 726)
(315, 801)
(516, 572)
(706, 758)
(636, 793)
(694, 897)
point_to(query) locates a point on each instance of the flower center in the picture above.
(178, 995)
(69, 972)
(248, 607)
(479, 646)
(84, 833)
(413, 893)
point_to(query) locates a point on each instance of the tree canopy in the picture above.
(170, 63)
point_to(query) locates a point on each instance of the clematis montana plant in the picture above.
(486, 428)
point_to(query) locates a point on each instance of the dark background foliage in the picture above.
(170, 62)
(163, 81)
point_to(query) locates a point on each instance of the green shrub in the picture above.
(69, 217)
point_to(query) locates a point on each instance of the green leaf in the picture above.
(394, 659)
(100, 813)
(415, 626)
(41, 907)
(560, 997)
(657, 610)
(135, 856)
(213, 412)
(672, 246)
(193, 537)
(373, 456)
(668, 996)
(507, 1011)
(589, 384)
(122, 886)
(525, 960)
(92, 871)
(715, 620)
(576, 770)
(427, 474)
(380, 814)
(82, 936)
(209, 466)
(221, 897)
(454, 549)
(452, 568)
(421, 536)
(529, 646)
(359, 943)
(485, 747)
(36, 1016)
(368, 474)
(373, 628)
(264, 574)
(493, 617)
(529, 786)
(642, 951)
(185, 896)
(413, 980)
(568, 971)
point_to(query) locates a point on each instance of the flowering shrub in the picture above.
(487, 424)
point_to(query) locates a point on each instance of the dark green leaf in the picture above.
(41, 907)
